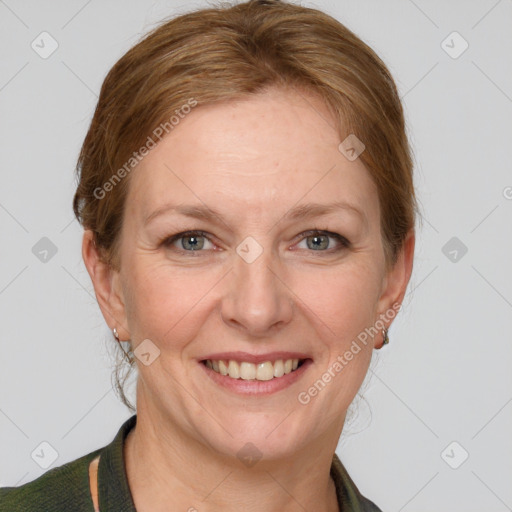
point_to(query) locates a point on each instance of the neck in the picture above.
(167, 470)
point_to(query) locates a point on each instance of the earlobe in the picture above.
(106, 285)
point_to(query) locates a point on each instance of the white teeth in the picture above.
(234, 370)
(279, 368)
(250, 371)
(223, 367)
(265, 371)
(247, 371)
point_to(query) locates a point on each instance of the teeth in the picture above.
(279, 368)
(250, 371)
(223, 367)
(265, 371)
(234, 370)
(247, 371)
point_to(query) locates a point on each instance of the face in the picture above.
(251, 246)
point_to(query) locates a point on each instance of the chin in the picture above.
(261, 436)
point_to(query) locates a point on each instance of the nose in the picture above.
(258, 301)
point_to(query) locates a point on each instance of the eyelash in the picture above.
(344, 243)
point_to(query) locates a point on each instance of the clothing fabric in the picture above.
(66, 488)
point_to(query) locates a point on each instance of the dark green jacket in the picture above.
(66, 488)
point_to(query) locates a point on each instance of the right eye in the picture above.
(189, 241)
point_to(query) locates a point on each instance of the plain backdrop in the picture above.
(433, 430)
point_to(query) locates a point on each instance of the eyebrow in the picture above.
(303, 211)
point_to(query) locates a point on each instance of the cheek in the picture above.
(340, 305)
(164, 302)
(343, 300)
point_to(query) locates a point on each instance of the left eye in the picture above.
(319, 240)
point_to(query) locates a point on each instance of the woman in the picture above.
(246, 192)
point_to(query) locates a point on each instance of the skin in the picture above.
(252, 160)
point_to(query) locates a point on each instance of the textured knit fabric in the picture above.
(66, 488)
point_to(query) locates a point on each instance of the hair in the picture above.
(229, 52)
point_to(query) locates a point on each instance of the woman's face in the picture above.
(262, 180)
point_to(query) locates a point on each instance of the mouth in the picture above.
(248, 371)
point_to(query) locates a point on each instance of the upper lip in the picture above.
(254, 358)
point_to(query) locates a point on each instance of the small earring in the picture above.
(115, 333)
(385, 337)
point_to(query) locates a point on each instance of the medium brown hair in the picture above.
(227, 53)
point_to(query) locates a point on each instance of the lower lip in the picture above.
(257, 387)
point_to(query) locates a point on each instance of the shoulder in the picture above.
(67, 487)
(60, 489)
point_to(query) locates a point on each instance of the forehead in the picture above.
(269, 150)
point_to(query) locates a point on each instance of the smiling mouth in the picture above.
(267, 370)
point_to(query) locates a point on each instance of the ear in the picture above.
(396, 281)
(107, 287)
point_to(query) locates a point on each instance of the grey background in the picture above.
(444, 377)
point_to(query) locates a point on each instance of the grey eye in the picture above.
(192, 242)
(317, 242)
(189, 241)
